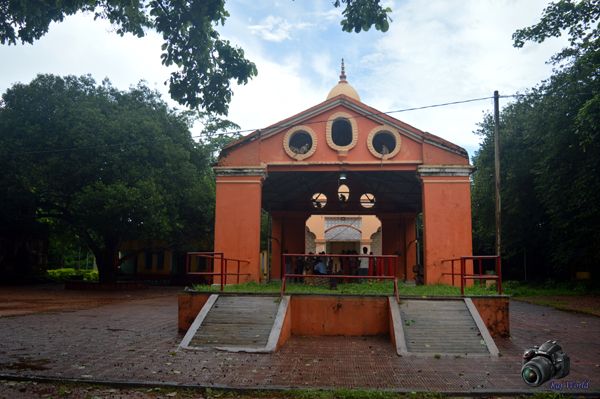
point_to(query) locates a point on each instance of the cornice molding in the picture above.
(445, 170)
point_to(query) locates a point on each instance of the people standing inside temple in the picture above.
(363, 267)
(320, 267)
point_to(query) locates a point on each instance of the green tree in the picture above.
(578, 18)
(550, 152)
(112, 165)
(206, 63)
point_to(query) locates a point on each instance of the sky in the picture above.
(436, 51)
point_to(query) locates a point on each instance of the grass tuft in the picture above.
(365, 288)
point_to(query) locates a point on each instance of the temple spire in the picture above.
(343, 73)
(343, 87)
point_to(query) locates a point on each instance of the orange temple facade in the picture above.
(343, 158)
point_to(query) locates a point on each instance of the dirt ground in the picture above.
(589, 304)
(20, 300)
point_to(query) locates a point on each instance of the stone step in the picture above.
(237, 321)
(440, 327)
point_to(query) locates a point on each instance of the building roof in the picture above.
(345, 95)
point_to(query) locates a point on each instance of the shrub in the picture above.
(68, 273)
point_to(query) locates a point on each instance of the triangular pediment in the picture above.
(311, 137)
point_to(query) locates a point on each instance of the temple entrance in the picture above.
(342, 211)
(342, 247)
(343, 159)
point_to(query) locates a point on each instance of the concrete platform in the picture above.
(137, 341)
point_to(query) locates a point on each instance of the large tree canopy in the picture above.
(206, 62)
(550, 155)
(112, 165)
(579, 19)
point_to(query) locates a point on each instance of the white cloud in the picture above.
(452, 51)
(79, 46)
(434, 52)
(279, 91)
(276, 29)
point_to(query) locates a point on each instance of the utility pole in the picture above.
(497, 169)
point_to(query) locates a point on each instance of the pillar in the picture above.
(446, 218)
(237, 219)
(276, 246)
(392, 238)
(294, 232)
(410, 245)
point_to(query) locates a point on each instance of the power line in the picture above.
(270, 128)
(284, 125)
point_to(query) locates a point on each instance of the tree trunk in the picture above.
(107, 260)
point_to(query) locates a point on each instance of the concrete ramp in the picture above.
(238, 323)
(441, 327)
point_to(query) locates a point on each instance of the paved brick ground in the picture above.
(137, 341)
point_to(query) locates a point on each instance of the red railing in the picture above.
(221, 260)
(381, 267)
(463, 276)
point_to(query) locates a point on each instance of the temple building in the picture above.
(339, 176)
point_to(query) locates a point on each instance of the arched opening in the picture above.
(343, 193)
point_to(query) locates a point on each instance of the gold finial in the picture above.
(343, 74)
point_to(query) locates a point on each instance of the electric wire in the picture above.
(266, 129)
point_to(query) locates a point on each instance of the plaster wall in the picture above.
(237, 223)
(446, 224)
(270, 150)
(335, 315)
(317, 315)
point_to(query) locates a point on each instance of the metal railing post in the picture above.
(462, 276)
(223, 273)
(499, 274)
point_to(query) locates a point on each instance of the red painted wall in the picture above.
(334, 315)
(446, 224)
(237, 223)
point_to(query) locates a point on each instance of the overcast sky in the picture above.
(436, 51)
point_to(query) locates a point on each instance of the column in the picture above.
(446, 218)
(276, 248)
(410, 245)
(237, 219)
(293, 227)
(392, 238)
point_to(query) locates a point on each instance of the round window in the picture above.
(300, 142)
(384, 142)
(367, 200)
(319, 200)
